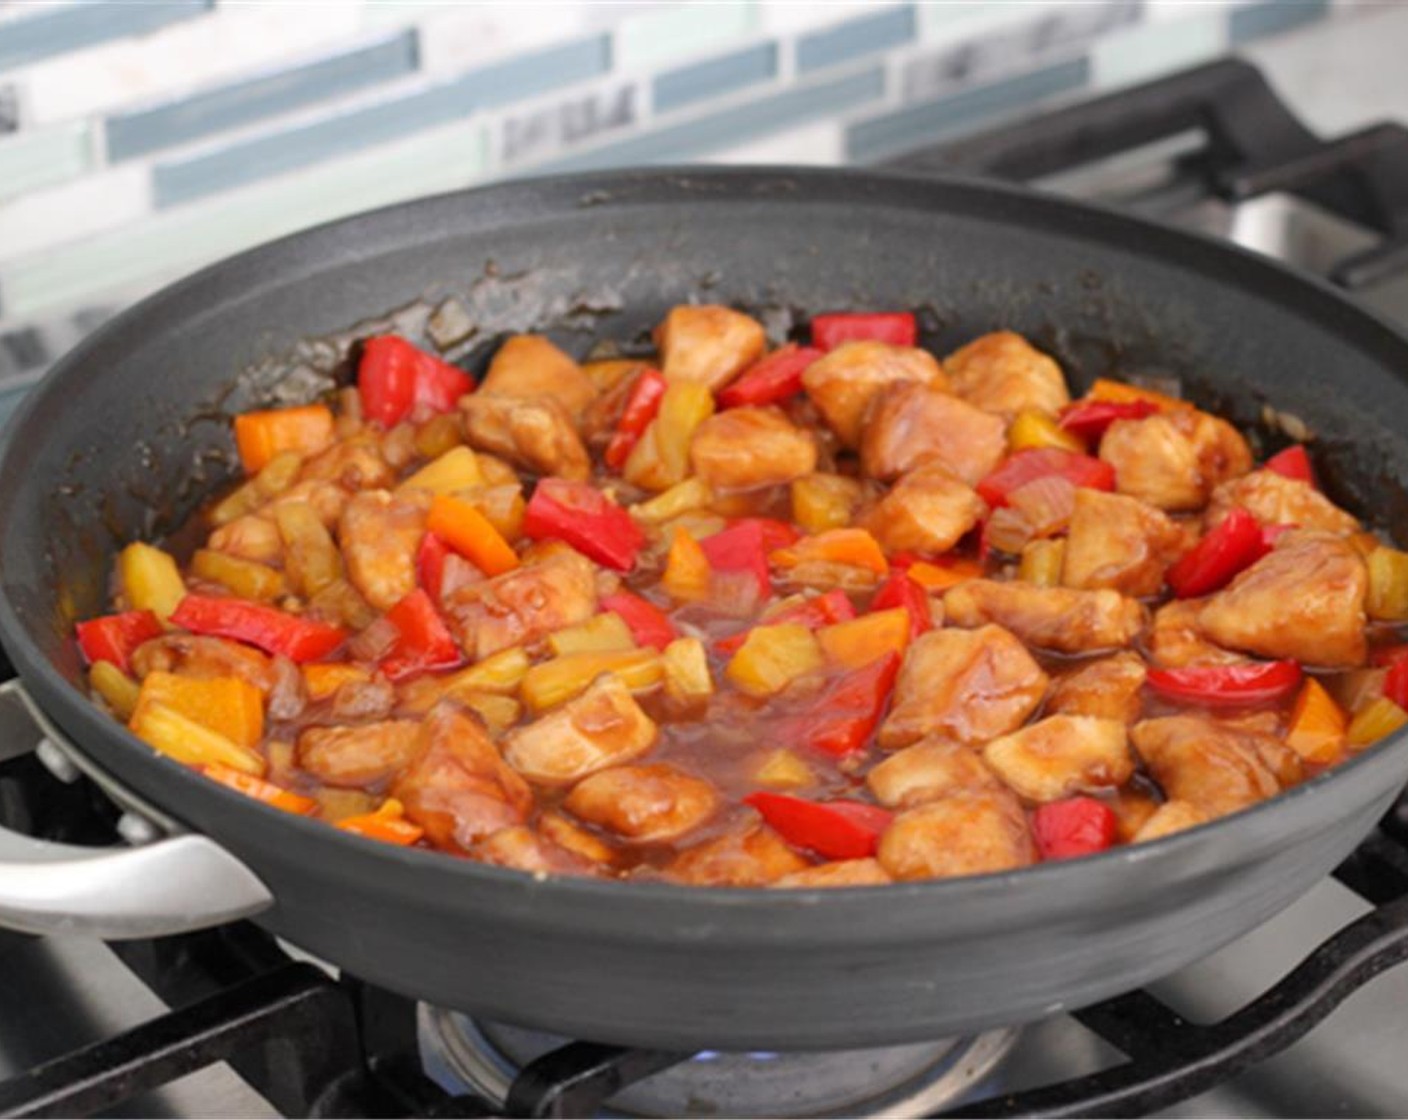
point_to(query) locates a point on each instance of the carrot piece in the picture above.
(1318, 724)
(259, 789)
(853, 548)
(262, 435)
(940, 577)
(388, 824)
(323, 678)
(859, 641)
(471, 534)
(229, 706)
(1117, 391)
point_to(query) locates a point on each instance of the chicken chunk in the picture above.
(967, 834)
(458, 787)
(379, 535)
(602, 727)
(357, 755)
(838, 873)
(537, 434)
(1217, 768)
(519, 607)
(193, 655)
(1056, 618)
(1061, 755)
(1174, 459)
(909, 424)
(528, 366)
(1274, 499)
(1120, 543)
(1168, 818)
(843, 383)
(927, 510)
(254, 536)
(749, 448)
(519, 847)
(708, 343)
(1107, 688)
(929, 770)
(751, 856)
(352, 464)
(1176, 641)
(644, 804)
(1003, 372)
(565, 834)
(327, 500)
(967, 685)
(1304, 600)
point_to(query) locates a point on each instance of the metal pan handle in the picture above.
(168, 885)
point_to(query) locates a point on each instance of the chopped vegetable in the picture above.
(1089, 419)
(387, 824)
(501, 672)
(898, 328)
(1235, 544)
(585, 518)
(772, 657)
(1396, 683)
(1077, 826)
(641, 408)
(1318, 724)
(185, 740)
(901, 589)
(1042, 562)
(312, 561)
(119, 691)
(687, 575)
(783, 769)
(229, 706)
(150, 580)
(812, 557)
(563, 678)
(649, 625)
(686, 665)
(1376, 720)
(772, 378)
(456, 469)
(114, 637)
(1293, 463)
(1026, 466)
(744, 547)
(1107, 390)
(259, 789)
(276, 477)
(832, 829)
(467, 531)
(248, 579)
(423, 642)
(1260, 682)
(1031, 430)
(825, 501)
(843, 719)
(862, 640)
(602, 633)
(660, 458)
(430, 564)
(272, 630)
(941, 576)
(260, 436)
(684, 497)
(395, 376)
(813, 613)
(323, 678)
(1387, 599)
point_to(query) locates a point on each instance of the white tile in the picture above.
(821, 144)
(40, 157)
(456, 37)
(78, 208)
(681, 30)
(1158, 48)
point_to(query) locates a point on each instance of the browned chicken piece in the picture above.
(1106, 688)
(528, 365)
(254, 536)
(360, 754)
(1168, 818)
(1274, 499)
(538, 435)
(1176, 641)
(748, 448)
(458, 787)
(353, 464)
(843, 383)
(379, 535)
(523, 849)
(838, 873)
(1003, 372)
(708, 343)
(1056, 618)
(644, 804)
(928, 771)
(600, 417)
(288, 695)
(967, 685)
(751, 856)
(1174, 459)
(1061, 755)
(1120, 543)
(551, 592)
(602, 727)
(909, 424)
(565, 834)
(193, 655)
(927, 510)
(327, 499)
(358, 700)
(1304, 600)
(967, 834)
(1216, 768)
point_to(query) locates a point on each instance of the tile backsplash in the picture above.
(140, 139)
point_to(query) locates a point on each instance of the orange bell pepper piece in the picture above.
(859, 641)
(940, 577)
(471, 534)
(1318, 725)
(323, 678)
(229, 706)
(262, 435)
(259, 789)
(852, 548)
(1118, 392)
(388, 824)
(687, 572)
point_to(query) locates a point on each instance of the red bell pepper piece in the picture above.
(1089, 419)
(423, 642)
(641, 407)
(649, 625)
(394, 376)
(1078, 826)
(268, 628)
(1237, 542)
(1396, 682)
(822, 610)
(844, 717)
(1389, 655)
(771, 379)
(832, 829)
(744, 547)
(898, 328)
(430, 564)
(1293, 462)
(1041, 462)
(114, 637)
(1258, 682)
(899, 590)
(585, 518)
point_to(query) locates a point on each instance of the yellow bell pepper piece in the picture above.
(457, 469)
(248, 579)
(825, 501)
(602, 633)
(501, 672)
(118, 690)
(150, 580)
(859, 641)
(563, 678)
(684, 497)
(312, 561)
(1317, 725)
(1042, 561)
(229, 706)
(1032, 429)
(1371, 723)
(438, 435)
(190, 742)
(687, 573)
(772, 657)
(499, 713)
(782, 769)
(687, 679)
(660, 458)
(1387, 600)
(323, 678)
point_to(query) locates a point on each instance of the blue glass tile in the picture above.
(715, 76)
(856, 37)
(54, 30)
(1271, 17)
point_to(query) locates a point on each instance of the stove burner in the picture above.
(914, 1080)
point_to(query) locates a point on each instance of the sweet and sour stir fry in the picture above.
(819, 615)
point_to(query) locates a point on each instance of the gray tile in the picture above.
(856, 37)
(873, 139)
(240, 103)
(1272, 17)
(58, 29)
(259, 157)
(731, 126)
(715, 76)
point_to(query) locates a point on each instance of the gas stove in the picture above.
(1302, 1017)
